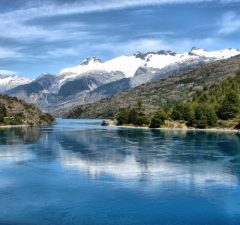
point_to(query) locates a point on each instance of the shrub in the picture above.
(122, 117)
(143, 120)
(158, 119)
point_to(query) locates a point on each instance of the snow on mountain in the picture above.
(91, 60)
(12, 81)
(125, 64)
(128, 65)
(218, 55)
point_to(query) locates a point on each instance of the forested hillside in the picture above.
(218, 106)
(16, 112)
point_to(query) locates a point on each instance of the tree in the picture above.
(143, 119)
(132, 117)
(200, 117)
(230, 106)
(178, 112)
(122, 117)
(3, 112)
(211, 116)
(204, 116)
(188, 113)
(139, 105)
(158, 119)
(184, 111)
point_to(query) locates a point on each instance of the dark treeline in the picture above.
(219, 106)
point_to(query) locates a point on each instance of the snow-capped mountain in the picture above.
(12, 81)
(94, 79)
(128, 65)
(125, 64)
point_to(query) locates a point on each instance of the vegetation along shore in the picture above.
(215, 108)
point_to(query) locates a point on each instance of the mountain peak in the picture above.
(194, 48)
(166, 52)
(91, 60)
(161, 52)
(11, 81)
(197, 51)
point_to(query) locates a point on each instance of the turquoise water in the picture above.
(79, 173)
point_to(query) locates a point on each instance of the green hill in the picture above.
(216, 107)
(16, 112)
(162, 93)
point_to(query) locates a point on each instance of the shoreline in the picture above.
(24, 125)
(14, 126)
(166, 127)
(180, 129)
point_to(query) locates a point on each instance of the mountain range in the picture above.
(165, 92)
(12, 81)
(93, 79)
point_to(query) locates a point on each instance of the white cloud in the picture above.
(9, 53)
(58, 52)
(145, 45)
(13, 24)
(53, 9)
(230, 23)
(91, 6)
(7, 72)
(142, 45)
(17, 29)
(115, 48)
(104, 5)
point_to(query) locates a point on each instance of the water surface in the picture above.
(79, 173)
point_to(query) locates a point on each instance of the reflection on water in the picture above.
(84, 171)
(20, 135)
(192, 158)
(12, 140)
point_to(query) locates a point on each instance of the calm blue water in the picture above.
(79, 173)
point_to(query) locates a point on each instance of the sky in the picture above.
(40, 36)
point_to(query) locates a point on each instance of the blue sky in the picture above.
(48, 35)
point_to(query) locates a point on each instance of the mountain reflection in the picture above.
(139, 155)
(193, 158)
(14, 142)
(20, 135)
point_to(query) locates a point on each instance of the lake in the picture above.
(79, 173)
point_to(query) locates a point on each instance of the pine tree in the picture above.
(230, 106)
(3, 112)
(158, 119)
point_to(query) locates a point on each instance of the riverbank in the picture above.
(14, 126)
(25, 125)
(182, 128)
